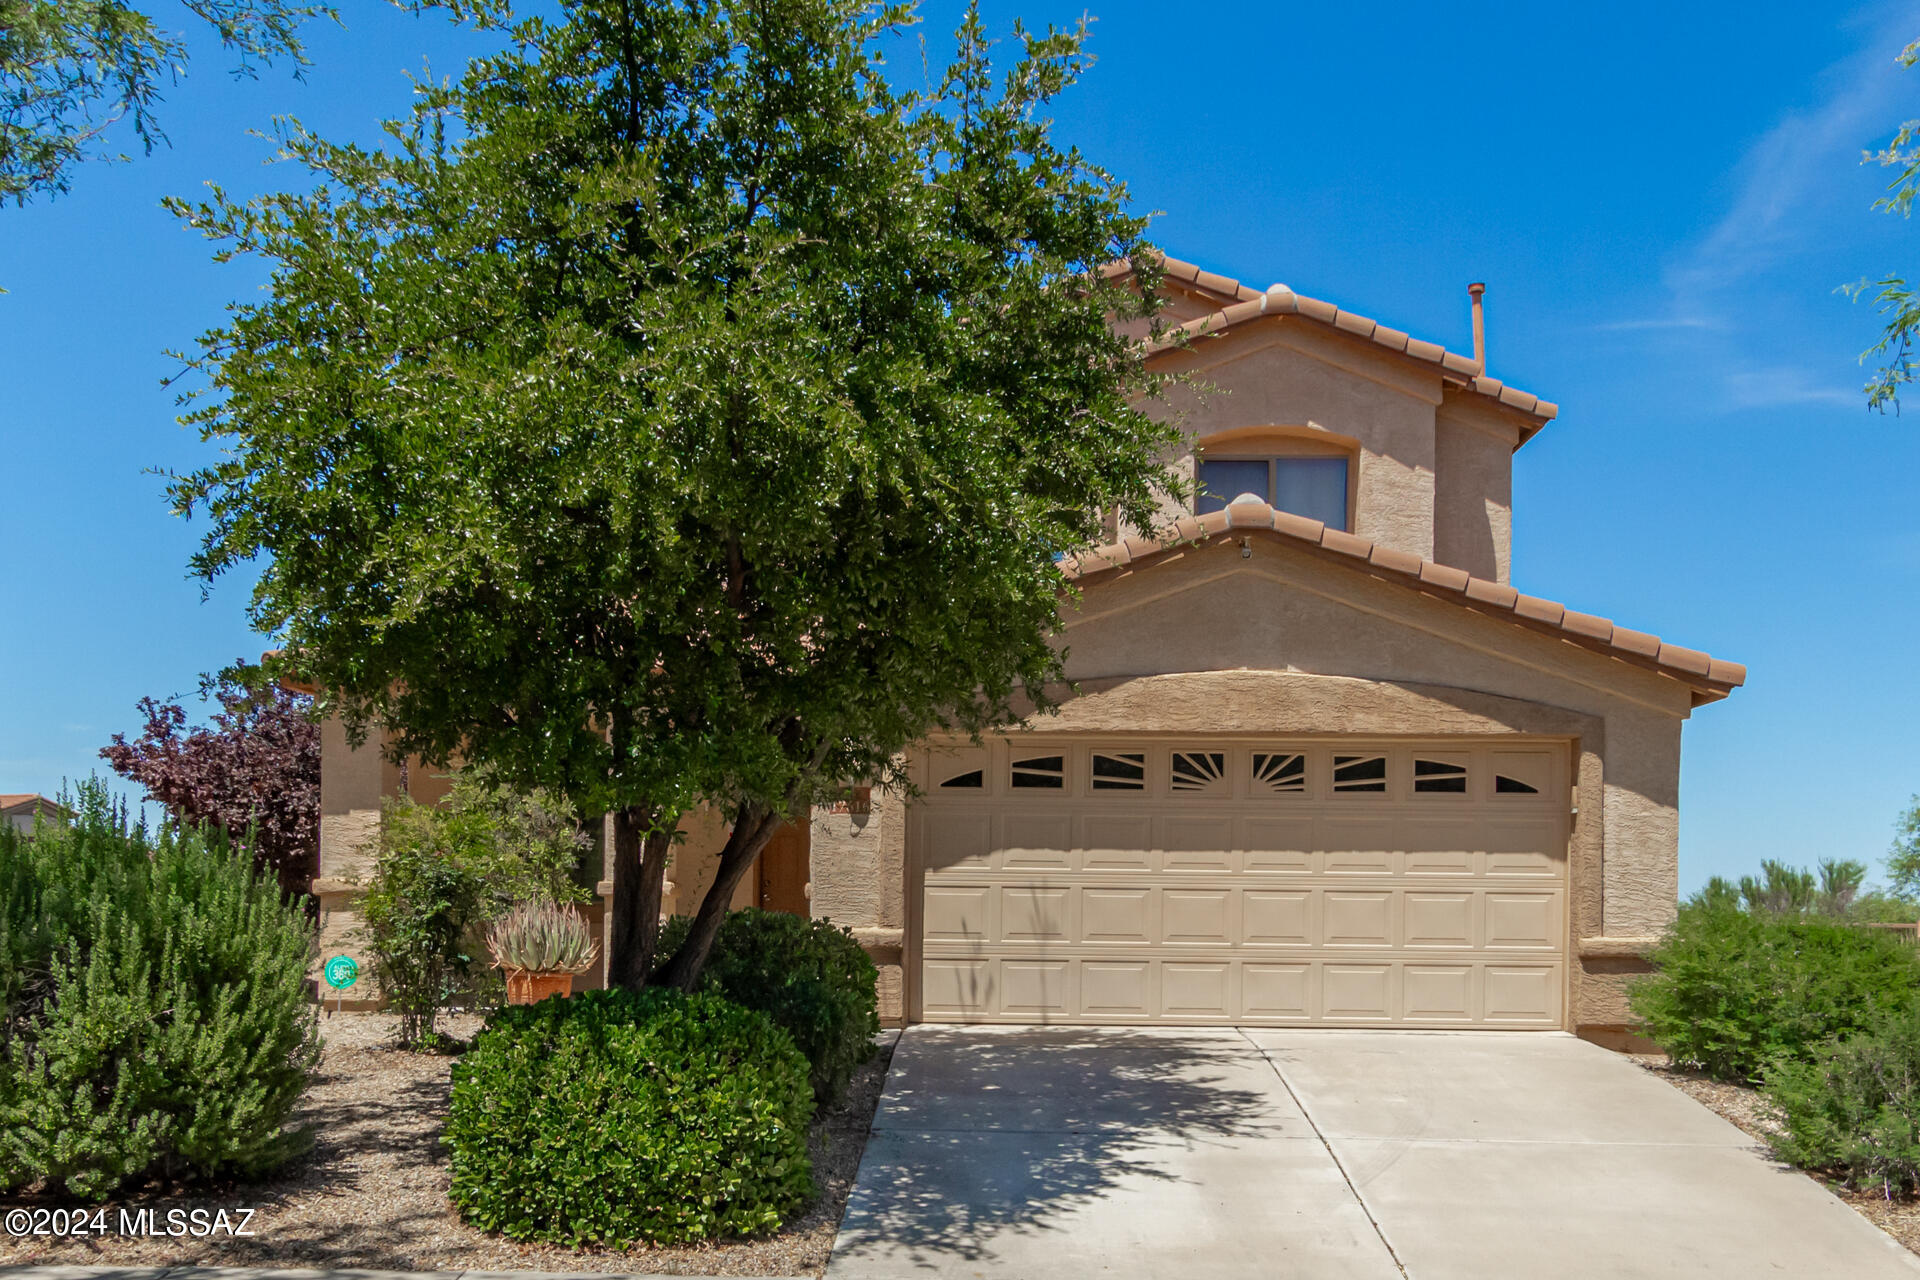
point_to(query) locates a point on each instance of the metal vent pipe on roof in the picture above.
(1477, 291)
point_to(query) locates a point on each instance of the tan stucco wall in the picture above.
(352, 782)
(858, 863)
(1432, 463)
(1473, 489)
(695, 861)
(1290, 375)
(1287, 625)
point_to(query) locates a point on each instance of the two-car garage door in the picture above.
(1332, 882)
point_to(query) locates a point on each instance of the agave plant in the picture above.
(541, 937)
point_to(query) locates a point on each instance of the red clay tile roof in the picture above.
(288, 681)
(1251, 304)
(30, 801)
(1710, 678)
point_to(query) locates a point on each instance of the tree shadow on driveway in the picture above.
(985, 1131)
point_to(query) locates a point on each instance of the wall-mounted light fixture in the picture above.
(857, 801)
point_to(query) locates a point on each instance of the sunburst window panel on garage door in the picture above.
(1198, 892)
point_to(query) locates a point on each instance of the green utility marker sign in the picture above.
(340, 972)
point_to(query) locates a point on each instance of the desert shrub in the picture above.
(156, 1019)
(1718, 892)
(809, 976)
(1854, 1109)
(1834, 887)
(441, 872)
(617, 1116)
(1736, 989)
(1881, 906)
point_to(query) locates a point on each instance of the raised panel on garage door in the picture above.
(1197, 843)
(1330, 882)
(1115, 988)
(1116, 842)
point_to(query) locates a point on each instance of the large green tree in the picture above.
(678, 411)
(71, 69)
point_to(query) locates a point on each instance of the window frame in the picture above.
(1274, 451)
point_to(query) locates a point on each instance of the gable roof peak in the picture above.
(1243, 304)
(1709, 678)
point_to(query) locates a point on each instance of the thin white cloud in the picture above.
(1795, 184)
(1789, 173)
(1659, 323)
(1779, 387)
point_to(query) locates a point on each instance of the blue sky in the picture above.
(1661, 198)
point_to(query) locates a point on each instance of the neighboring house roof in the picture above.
(288, 681)
(1710, 678)
(1250, 304)
(30, 802)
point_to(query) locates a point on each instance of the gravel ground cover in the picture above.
(373, 1191)
(1743, 1107)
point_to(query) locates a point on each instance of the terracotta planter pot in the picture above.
(526, 987)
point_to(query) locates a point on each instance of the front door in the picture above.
(785, 870)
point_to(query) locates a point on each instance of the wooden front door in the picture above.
(785, 870)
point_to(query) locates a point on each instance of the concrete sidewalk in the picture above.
(1193, 1154)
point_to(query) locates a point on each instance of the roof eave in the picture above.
(1708, 678)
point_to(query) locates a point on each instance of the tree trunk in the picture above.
(751, 831)
(642, 840)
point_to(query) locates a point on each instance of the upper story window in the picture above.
(1315, 487)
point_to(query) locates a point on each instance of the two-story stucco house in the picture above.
(1324, 765)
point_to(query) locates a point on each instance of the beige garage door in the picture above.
(1337, 882)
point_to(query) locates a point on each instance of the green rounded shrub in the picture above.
(616, 1116)
(154, 1016)
(809, 976)
(1855, 1108)
(1736, 989)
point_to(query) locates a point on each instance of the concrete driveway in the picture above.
(1051, 1154)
